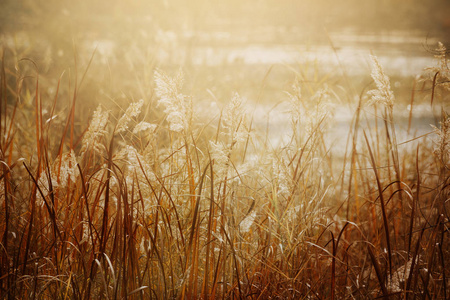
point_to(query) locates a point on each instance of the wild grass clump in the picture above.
(132, 204)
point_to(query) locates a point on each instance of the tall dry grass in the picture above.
(133, 204)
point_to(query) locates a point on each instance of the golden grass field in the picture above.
(122, 178)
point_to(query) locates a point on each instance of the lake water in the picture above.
(401, 53)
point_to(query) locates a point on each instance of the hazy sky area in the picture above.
(264, 21)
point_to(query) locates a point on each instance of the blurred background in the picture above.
(223, 46)
(185, 32)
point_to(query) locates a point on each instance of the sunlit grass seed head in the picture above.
(132, 111)
(144, 127)
(322, 110)
(295, 103)
(234, 120)
(443, 68)
(134, 163)
(399, 276)
(234, 132)
(178, 107)
(96, 130)
(383, 94)
(137, 174)
(247, 222)
(442, 57)
(219, 153)
(280, 177)
(66, 167)
(442, 149)
(307, 114)
(63, 172)
(439, 74)
(85, 237)
(43, 184)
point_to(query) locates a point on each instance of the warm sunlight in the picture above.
(206, 149)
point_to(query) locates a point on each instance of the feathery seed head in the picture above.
(442, 149)
(96, 130)
(383, 94)
(439, 74)
(442, 56)
(63, 171)
(234, 120)
(67, 166)
(295, 103)
(43, 184)
(177, 106)
(144, 126)
(443, 69)
(132, 111)
(168, 87)
(247, 222)
(220, 154)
